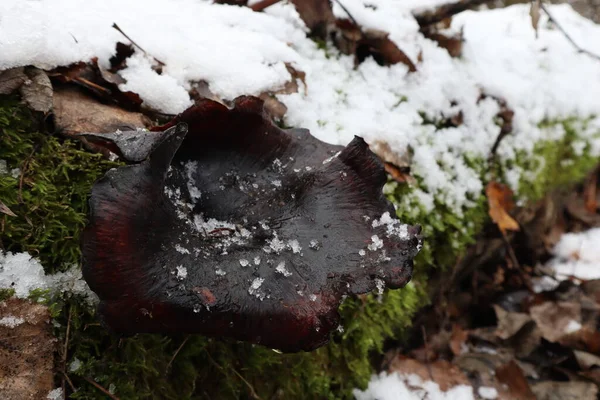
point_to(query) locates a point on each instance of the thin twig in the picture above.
(73, 388)
(100, 388)
(569, 38)
(176, 352)
(65, 350)
(515, 261)
(347, 12)
(252, 391)
(114, 25)
(261, 5)
(426, 344)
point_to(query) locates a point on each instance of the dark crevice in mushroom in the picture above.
(226, 225)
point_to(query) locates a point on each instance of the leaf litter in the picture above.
(493, 336)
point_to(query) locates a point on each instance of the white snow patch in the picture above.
(487, 392)
(577, 255)
(572, 326)
(11, 321)
(23, 273)
(55, 394)
(75, 365)
(410, 387)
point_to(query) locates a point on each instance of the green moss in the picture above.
(556, 163)
(48, 192)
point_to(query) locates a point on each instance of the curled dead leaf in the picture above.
(500, 203)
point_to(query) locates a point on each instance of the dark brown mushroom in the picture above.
(232, 227)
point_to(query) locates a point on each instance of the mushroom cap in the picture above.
(225, 225)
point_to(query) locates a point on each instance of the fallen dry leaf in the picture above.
(556, 319)
(36, 91)
(565, 390)
(500, 203)
(515, 384)
(11, 80)
(443, 373)
(452, 43)
(317, 15)
(509, 323)
(26, 350)
(534, 13)
(75, 112)
(589, 193)
(458, 339)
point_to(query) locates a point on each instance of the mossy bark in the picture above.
(49, 197)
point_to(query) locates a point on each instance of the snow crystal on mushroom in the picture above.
(254, 288)
(282, 269)
(294, 245)
(181, 272)
(376, 243)
(393, 227)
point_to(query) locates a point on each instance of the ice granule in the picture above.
(244, 263)
(377, 243)
(254, 288)
(282, 269)
(295, 246)
(181, 272)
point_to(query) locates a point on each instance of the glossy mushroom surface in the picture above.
(225, 225)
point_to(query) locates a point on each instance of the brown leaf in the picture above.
(317, 15)
(517, 386)
(589, 193)
(441, 372)
(380, 45)
(458, 339)
(534, 13)
(509, 323)
(399, 174)
(586, 360)
(452, 43)
(5, 210)
(36, 92)
(565, 390)
(555, 320)
(74, 113)
(11, 80)
(26, 350)
(500, 203)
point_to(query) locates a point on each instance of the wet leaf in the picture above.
(517, 386)
(441, 372)
(565, 390)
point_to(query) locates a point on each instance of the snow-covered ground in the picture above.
(238, 51)
(577, 255)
